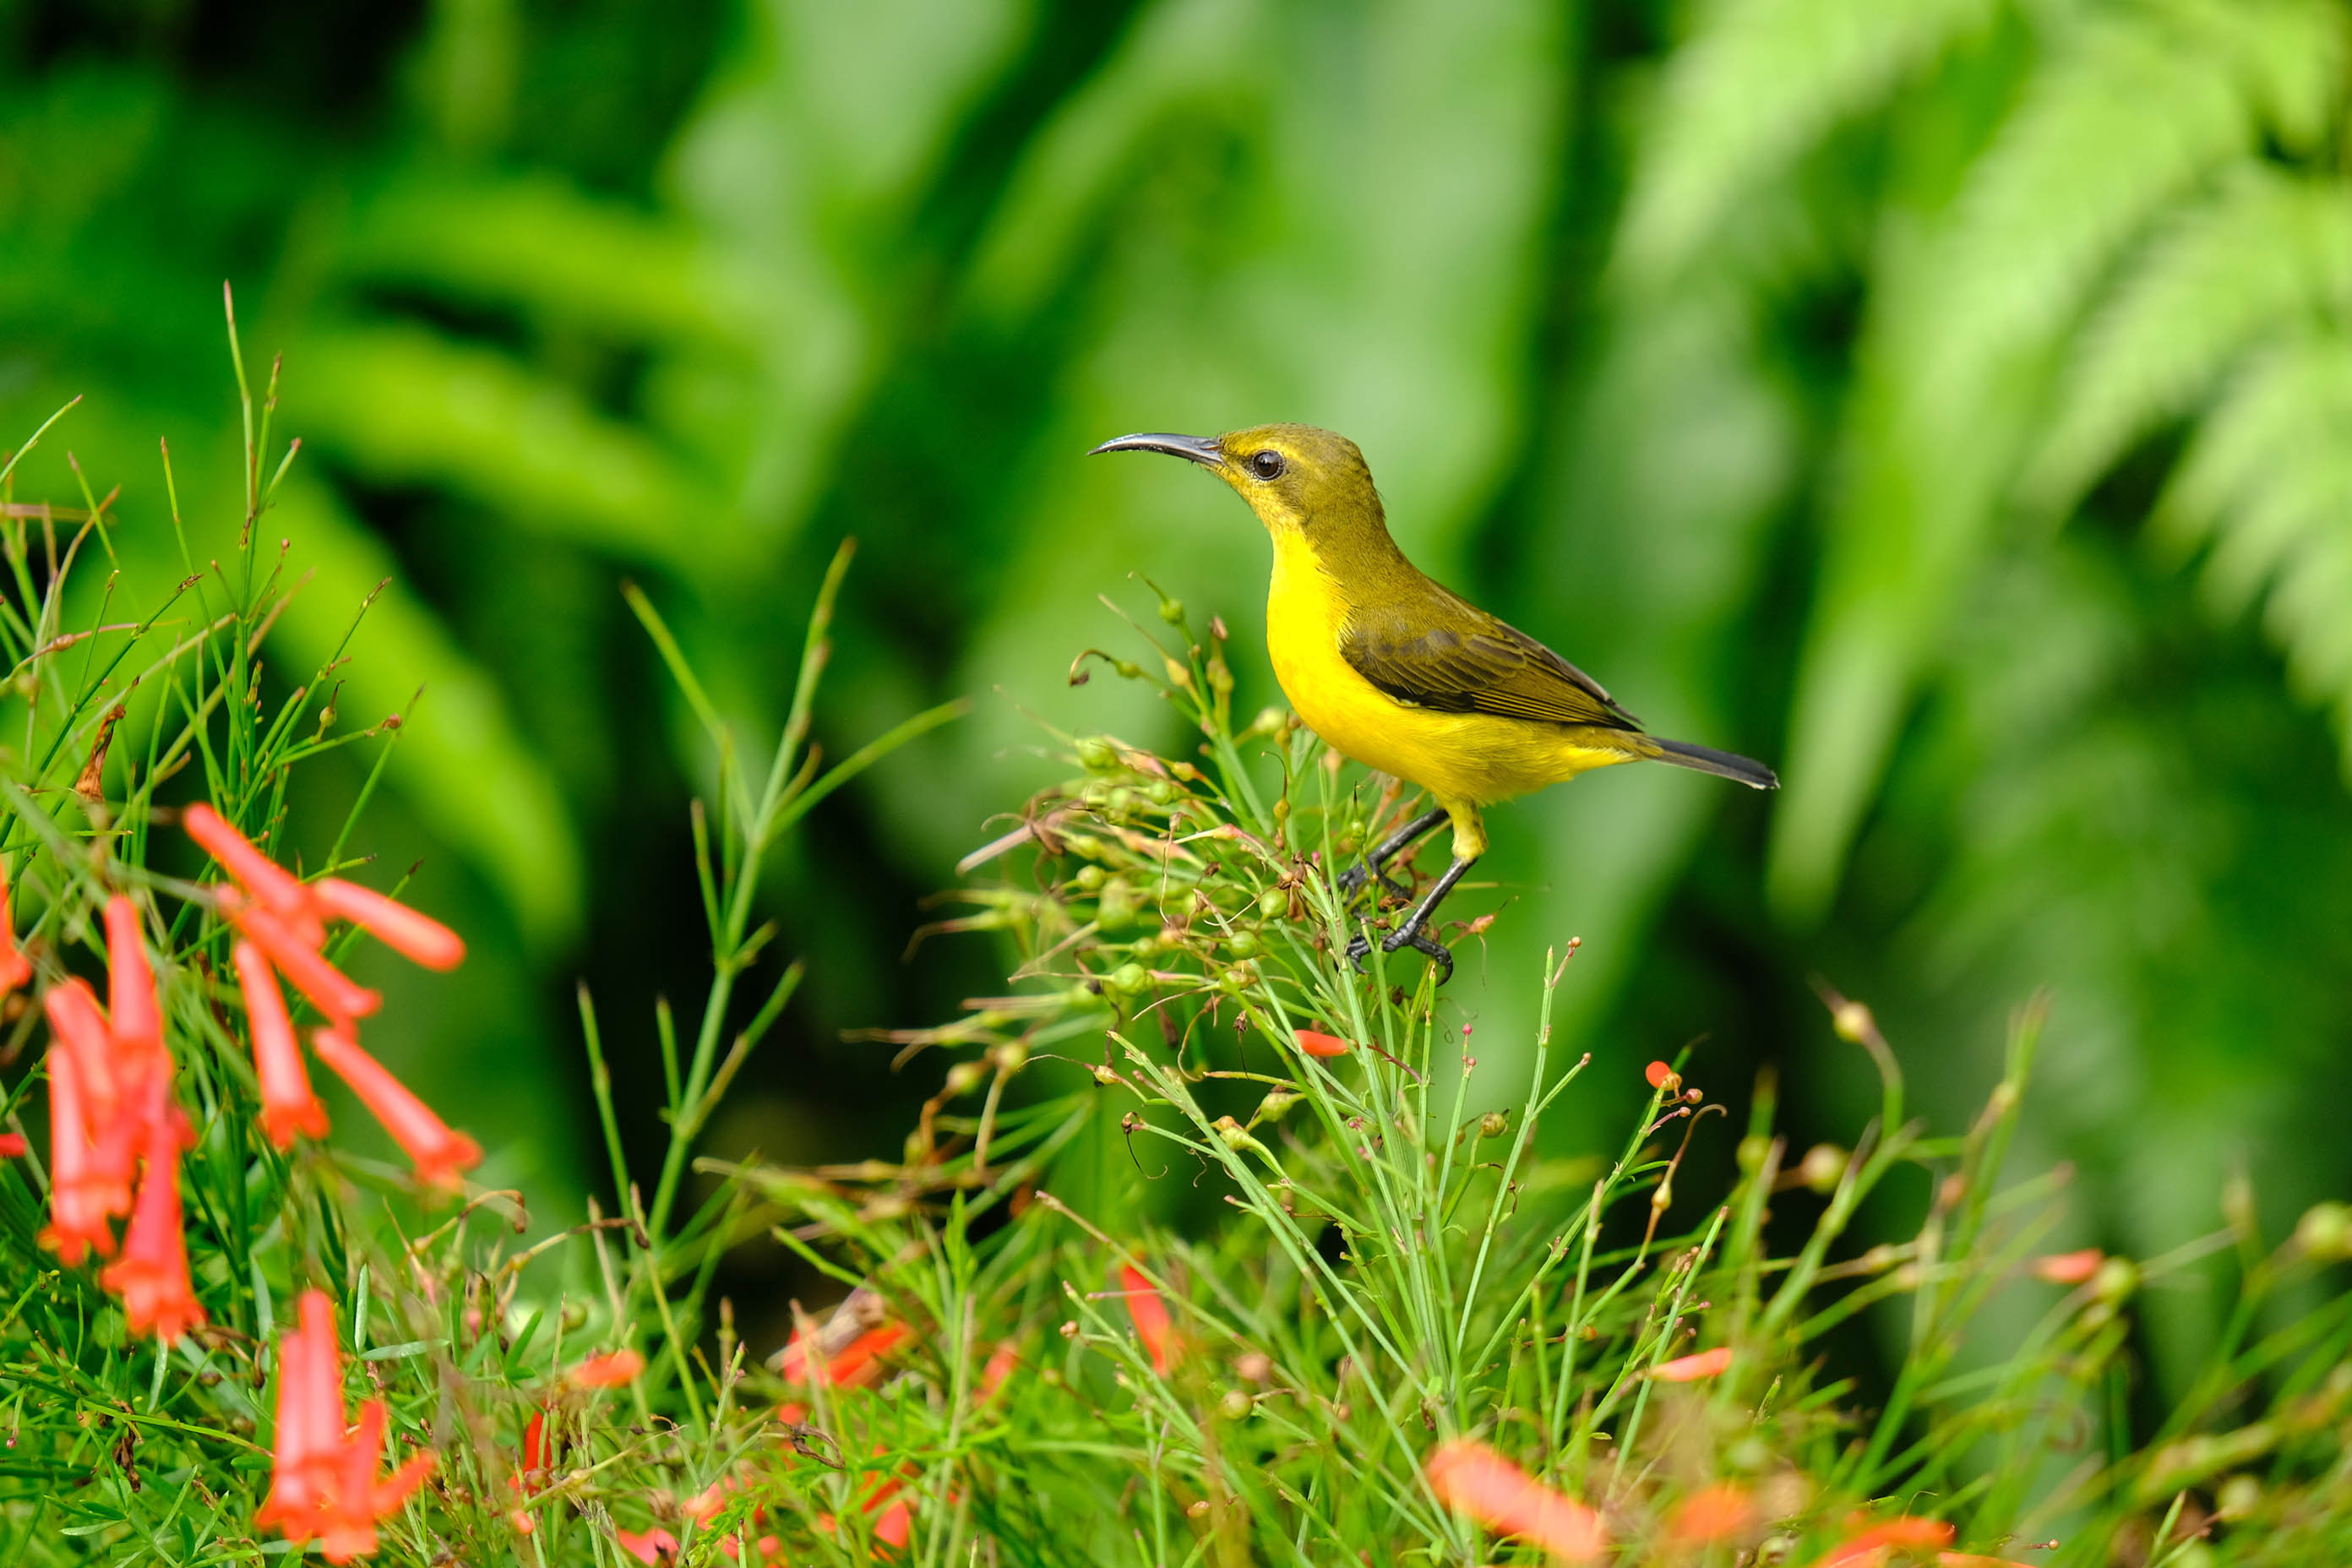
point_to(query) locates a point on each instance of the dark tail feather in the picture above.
(1708, 759)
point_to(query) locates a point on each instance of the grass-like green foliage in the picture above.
(1392, 1254)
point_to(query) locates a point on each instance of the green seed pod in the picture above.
(1173, 611)
(1096, 755)
(1272, 904)
(1493, 1124)
(1822, 1167)
(1089, 877)
(965, 1076)
(1127, 979)
(1117, 904)
(1235, 1405)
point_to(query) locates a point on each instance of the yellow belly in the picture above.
(1467, 759)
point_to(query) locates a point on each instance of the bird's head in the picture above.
(1304, 483)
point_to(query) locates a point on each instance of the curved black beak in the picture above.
(1197, 449)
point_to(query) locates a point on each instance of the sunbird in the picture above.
(1394, 669)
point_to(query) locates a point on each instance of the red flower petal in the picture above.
(15, 967)
(649, 1546)
(1151, 1314)
(129, 982)
(439, 1152)
(288, 1105)
(614, 1369)
(2069, 1267)
(414, 936)
(1904, 1531)
(1657, 1073)
(275, 887)
(1315, 1043)
(1719, 1513)
(1474, 1479)
(1691, 1368)
(152, 1274)
(339, 997)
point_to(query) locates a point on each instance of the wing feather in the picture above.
(1446, 654)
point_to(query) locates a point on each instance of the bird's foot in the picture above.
(1412, 936)
(1353, 880)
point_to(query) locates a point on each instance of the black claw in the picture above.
(1420, 940)
(1358, 951)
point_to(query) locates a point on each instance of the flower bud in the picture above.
(1235, 1405)
(1096, 755)
(1493, 1124)
(965, 1076)
(1171, 611)
(1853, 1022)
(2238, 1496)
(2116, 1279)
(2325, 1231)
(1822, 1167)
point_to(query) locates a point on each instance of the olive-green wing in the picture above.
(1444, 653)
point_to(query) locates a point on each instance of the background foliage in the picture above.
(1944, 401)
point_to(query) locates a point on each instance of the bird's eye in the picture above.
(1267, 465)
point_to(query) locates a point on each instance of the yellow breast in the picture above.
(1469, 759)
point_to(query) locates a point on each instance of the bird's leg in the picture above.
(1414, 933)
(1353, 880)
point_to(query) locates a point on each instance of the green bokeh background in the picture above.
(1949, 402)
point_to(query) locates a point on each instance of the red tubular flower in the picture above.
(532, 1476)
(82, 1199)
(276, 889)
(1474, 1479)
(1151, 1314)
(1691, 1368)
(650, 1546)
(12, 1145)
(129, 982)
(439, 1153)
(1972, 1560)
(1719, 1513)
(323, 1485)
(895, 1524)
(288, 1105)
(1315, 1043)
(348, 1520)
(310, 1420)
(338, 995)
(83, 1033)
(152, 1274)
(1002, 1364)
(2069, 1267)
(1863, 1545)
(856, 1364)
(614, 1369)
(416, 937)
(15, 967)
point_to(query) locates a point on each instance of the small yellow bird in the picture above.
(1394, 670)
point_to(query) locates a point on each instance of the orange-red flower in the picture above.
(1719, 1513)
(1315, 1043)
(1151, 1314)
(854, 1365)
(130, 1003)
(15, 967)
(152, 1274)
(1972, 1560)
(83, 1198)
(1864, 1545)
(342, 999)
(1657, 1073)
(614, 1369)
(12, 1145)
(650, 1546)
(1474, 1479)
(2069, 1267)
(275, 889)
(288, 1105)
(417, 938)
(324, 1484)
(283, 923)
(1691, 1368)
(439, 1152)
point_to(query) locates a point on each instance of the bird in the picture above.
(1394, 669)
